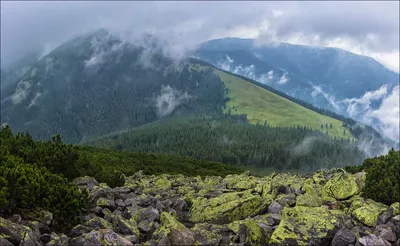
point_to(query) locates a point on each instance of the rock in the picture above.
(105, 203)
(99, 223)
(132, 238)
(150, 214)
(120, 203)
(349, 224)
(251, 231)
(100, 192)
(85, 182)
(384, 217)
(160, 184)
(276, 218)
(128, 227)
(372, 240)
(179, 205)
(301, 224)
(396, 208)
(79, 230)
(385, 232)
(16, 218)
(41, 216)
(368, 213)
(275, 207)
(173, 232)
(227, 207)
(286, 199)
(5, 242)
(181, 237)
(284, 179)
(45, 238)
(58, 240)
(341, 186)
(100, 237)
(240, 182)
(18, 234)
(343, 237)
(308, 200)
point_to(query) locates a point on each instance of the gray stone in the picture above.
(85, 182)
(133, 238)
(181, 237)
(372, 240)
(45, 238)
(79, 230)
(5, 242)
(99, 223)
(275, 207)
(18, 234)
(385, 232)
(100, 237)
(343, 237)
(151, 214)
(16, 218)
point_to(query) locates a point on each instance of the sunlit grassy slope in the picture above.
(261, 105)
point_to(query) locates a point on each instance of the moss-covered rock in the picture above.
(18, 234)
(341, 186)
(308, 200)
(396, 208)
(368, 212)
(100, 237)
(285, 179)
(240, 182)
(162, 183)
(226, 208)
(300, 224)
(128, 227)
(99, 223)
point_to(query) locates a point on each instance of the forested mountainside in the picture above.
(41, 206)
(96, 85)
(232, 140)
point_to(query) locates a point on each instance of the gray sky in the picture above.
(369, 28)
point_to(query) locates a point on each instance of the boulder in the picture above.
(128, 227)
(16, 218)
(240, 182)
(341, 186)
(372, 240)
(302, 224)
(275, 207)
(79, 230)
(100, 237)
(172, 231)
(99, 223)
(227, 207)
(45, 238)
(85, 182)
(343, 237)
(151, 214)
(308, 200)
(41, 216)
(5, 242)
(160, 184)
(368, 212)
(396, 208)
(385, 232)
(18, 234)
(105, 203)
(58, 240)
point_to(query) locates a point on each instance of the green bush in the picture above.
(29, 187)
(383, 177)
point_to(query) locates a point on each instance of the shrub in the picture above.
(383, 177)
(29, 187)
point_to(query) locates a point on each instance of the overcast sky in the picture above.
(369, 28)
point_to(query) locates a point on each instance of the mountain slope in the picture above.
(322, 76)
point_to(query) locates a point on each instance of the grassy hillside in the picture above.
(261, 105)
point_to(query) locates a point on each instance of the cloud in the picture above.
(384, 116)
(330, 98)
(369, 27)
(21, 92)
(168, 100)
(284, 79)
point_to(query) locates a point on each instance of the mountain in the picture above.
(329, 78)
(97, 84)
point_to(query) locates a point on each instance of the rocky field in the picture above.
(324, 208)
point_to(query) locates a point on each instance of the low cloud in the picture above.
(21, 92)
(168, 99)
(284, 79)
(330, 98)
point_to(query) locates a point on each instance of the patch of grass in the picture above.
(261, 105)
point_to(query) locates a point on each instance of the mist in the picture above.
(168, 100)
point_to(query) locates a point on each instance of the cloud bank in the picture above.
(369, 28)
